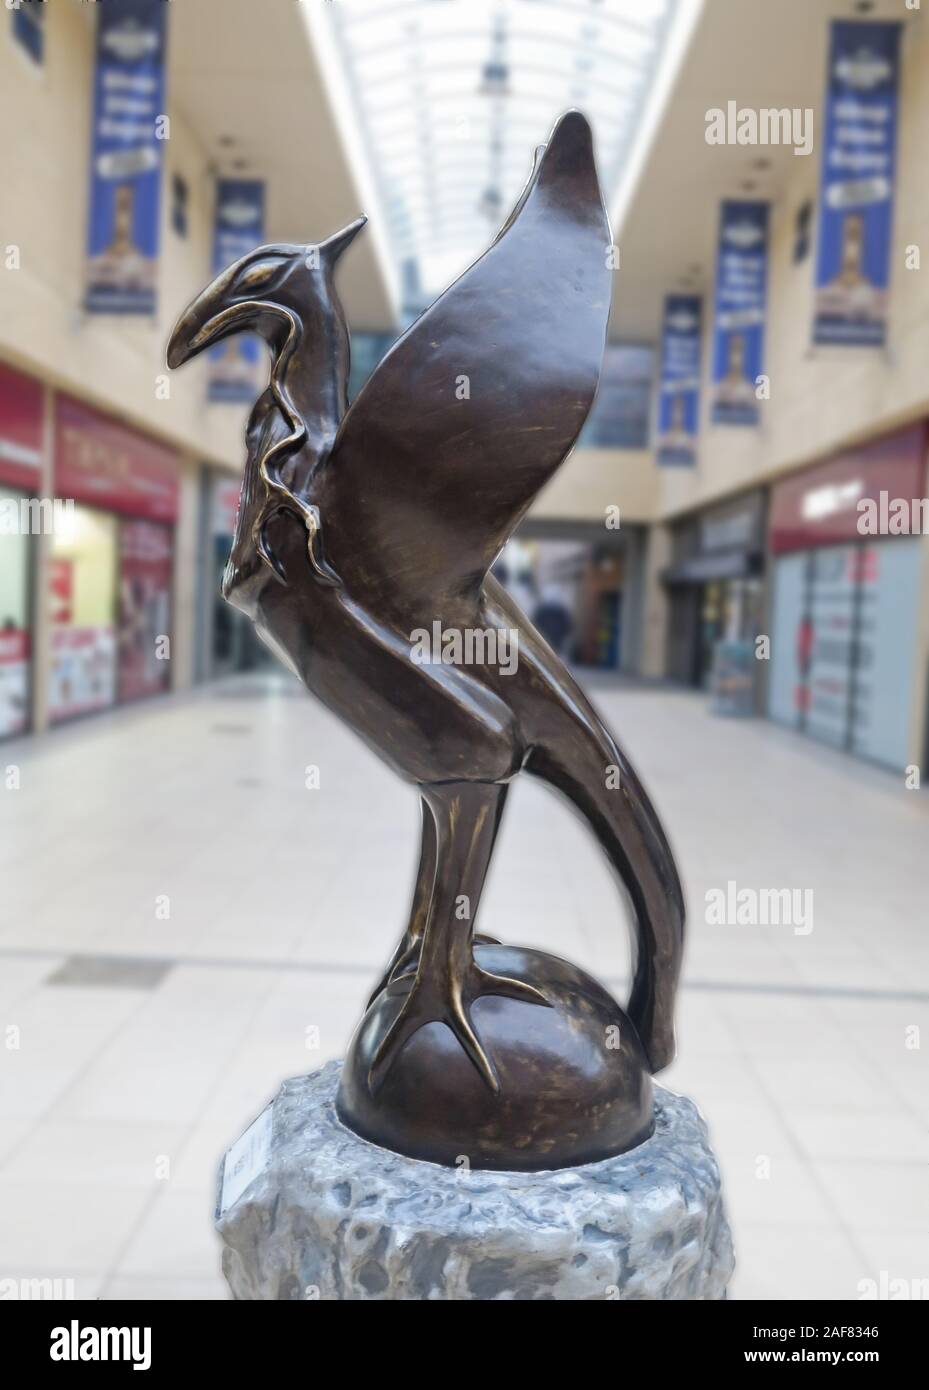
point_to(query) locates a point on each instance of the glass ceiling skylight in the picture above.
(453, 96)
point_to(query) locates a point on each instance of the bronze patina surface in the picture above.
(360, 529)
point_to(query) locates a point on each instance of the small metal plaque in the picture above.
(245, 1159)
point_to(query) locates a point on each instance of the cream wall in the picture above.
(113, 362)
(591, 480)
(825, 398)
(116, 363)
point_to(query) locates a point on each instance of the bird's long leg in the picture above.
(448, 979)
(422, 897)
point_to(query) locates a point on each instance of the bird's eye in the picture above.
(258, 273)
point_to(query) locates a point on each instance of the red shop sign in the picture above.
(20, 429)
(819, 506)
(102, 462)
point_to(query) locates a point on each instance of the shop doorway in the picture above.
(83, 577)
(146, 562)
(228, 643)
(111, 583)
(704, 616)
(572, 592)
(730, 612)
(843, 654)
(15, 634)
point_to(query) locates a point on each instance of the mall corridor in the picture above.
(200, 890)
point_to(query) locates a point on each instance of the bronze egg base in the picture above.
(574, 1082)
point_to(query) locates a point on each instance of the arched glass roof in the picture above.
(452, 96)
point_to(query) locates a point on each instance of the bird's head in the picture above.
(263, 292)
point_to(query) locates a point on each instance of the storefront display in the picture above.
(145, 568)
(228, 642)
(111, 571)
(21, 414)
(15, 639)
(733, 678)
(83, 574)
(715, 583)
(845, 606)
(573, 592)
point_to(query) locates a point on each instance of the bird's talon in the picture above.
(505, 986)
(425, 1005)
(422, 1006)
(417, 1010)
(399, 980)
(402, 969)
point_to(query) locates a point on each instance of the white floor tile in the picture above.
(176, 1238)
(807, 1054)
(64, 1227)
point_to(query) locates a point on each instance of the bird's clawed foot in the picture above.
(404, 963)
(448, 1002)
(403, 959)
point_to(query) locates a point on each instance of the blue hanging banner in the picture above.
(856, 197)
(129, 127)
(679, 382)
(739, 313)
(237, 229)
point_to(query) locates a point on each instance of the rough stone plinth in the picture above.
(313, 1211)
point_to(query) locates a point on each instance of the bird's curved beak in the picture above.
(339, 242)
(206, 320)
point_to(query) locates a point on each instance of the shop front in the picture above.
(111, 567)
(581, 587)
(227, 642)
(21, 415)
(844, 613)
(715, 588)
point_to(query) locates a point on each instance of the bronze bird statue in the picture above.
(361, 528)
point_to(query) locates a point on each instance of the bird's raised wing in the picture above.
(476, 405)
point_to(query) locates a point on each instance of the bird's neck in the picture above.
(291, 429)
(314, 375)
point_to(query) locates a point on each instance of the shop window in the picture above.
(843, 657)
(83, 581)
(28, 21)
(802, 230)
(179, 201)
(144, 608)
(14, 626)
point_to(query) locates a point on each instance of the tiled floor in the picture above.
(183, 918)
